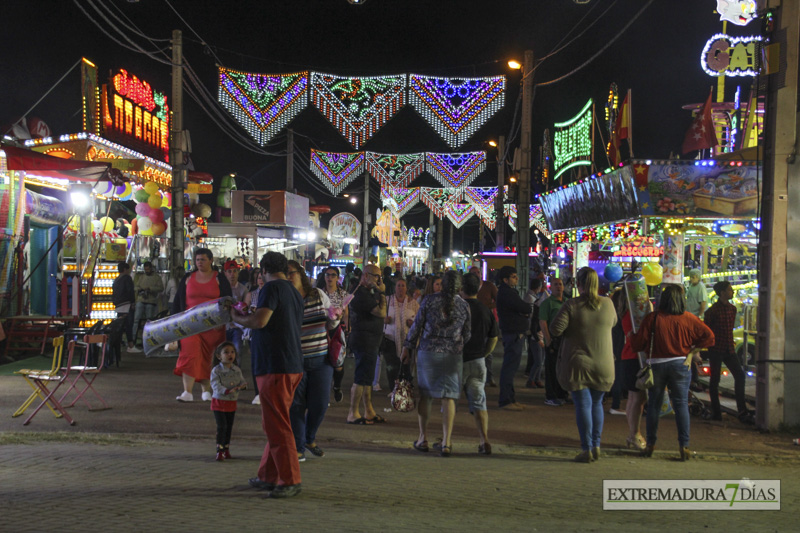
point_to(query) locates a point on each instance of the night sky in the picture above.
(657, 57)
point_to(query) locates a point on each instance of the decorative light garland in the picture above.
(572, 141)
(263, 103)
(359, 106)
(438, 200)
(399, 200)
(459, 213)
(456, 107)
(395, 170)
(483, 198)
(336, 170)
(455, 170)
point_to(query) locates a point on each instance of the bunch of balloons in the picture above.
(151, 210)
(653, 274)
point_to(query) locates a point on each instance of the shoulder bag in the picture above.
(644, 377)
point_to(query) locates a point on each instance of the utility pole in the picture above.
(777, 398)
(290, 160)
(439, 237)
(430, 246)
(176, 142)
(365, 225)
(499, 208)
(524, 200)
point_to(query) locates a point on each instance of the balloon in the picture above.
(154, 201)
(156, 216)
(121, 241)
(166, 212)
(142, 209)
(75, 222)
(141, 195)
(120, 190)
(145, 224)
(653, 274)
(147, 232)
(159, 228)
(106, 224)
(151, 187)
(612, 272)
(103, 187)
(166, 200)
(134, 226)
(201, 210)
(127, 190)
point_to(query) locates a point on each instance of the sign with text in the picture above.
(275, 208)
(692, 494)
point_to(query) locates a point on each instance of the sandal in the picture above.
(421, 446)
(445, 451)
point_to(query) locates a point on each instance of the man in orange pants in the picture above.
(278, 366)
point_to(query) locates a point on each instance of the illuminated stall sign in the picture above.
(572, 141)
(639, 247)
(135, 115)
(731, 56)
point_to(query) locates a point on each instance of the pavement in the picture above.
(148, 463)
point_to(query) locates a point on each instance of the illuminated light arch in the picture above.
(572, 141)
(438, 199)
(399, 200)
(459, 214)
(455, 171)
(335, 169)
(395, 170)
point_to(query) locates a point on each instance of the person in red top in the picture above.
(676, 334)
(721, 318)
(630, 366)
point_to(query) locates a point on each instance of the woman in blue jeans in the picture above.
(311, 396)
(675, 335)
(585, 364)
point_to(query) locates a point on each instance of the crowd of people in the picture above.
(441, 332)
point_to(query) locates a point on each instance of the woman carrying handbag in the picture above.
(675, 335)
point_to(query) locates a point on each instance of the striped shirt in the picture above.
(313, 333)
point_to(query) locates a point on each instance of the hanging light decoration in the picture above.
(482, 199)
(263, 103)
(399, 200)
(456, 107)
(358, 107)
(437, 200)
(336, 170)
(459, 213)
(395, 170)
(455, 170)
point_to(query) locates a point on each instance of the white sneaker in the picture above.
(257, 400)
(616, 411)
(185, 397)
(135, 350)
(206, 396)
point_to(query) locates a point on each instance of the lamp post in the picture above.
(524, 181)
(499, 208)
(81, 198)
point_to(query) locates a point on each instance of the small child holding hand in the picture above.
(226, 382)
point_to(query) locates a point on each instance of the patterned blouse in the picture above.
(432, 329)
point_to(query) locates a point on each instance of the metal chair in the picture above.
(30, 374)
(89, 370)
(47, 393)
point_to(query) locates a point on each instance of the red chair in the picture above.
(93, 361)
(55, 380)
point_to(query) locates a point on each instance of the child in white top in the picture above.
(226, 382)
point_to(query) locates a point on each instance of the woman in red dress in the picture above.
(194, 361)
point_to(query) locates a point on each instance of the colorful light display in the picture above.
(572, 141)
(263, 103)
(358, 107)
(395, 170)
(456, 107)
(459, 213)
(483, 198)
(437, 200)
(336, 170)
(536, 218)
(399, 200)
(455, 170)
(731, 56)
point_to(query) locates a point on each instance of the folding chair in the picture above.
(29, 375)
(89, 370)
(114, 330)
(49, 398)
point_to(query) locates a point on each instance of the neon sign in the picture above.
(572, 141)
(639, 247)
(135, 115)
(731, 56)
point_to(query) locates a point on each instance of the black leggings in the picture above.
(224, 426)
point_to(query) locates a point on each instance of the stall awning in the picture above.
(53, 167)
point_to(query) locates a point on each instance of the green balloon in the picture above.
(141, 196)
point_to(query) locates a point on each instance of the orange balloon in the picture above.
(134, 227)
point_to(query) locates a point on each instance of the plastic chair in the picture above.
(55, 380)
(29, 375)
(88, 371)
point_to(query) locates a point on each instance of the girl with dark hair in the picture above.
(336, 294)
(585, 364)
(675, 335)
(226, 382)
(194, 360)
(311, 396)
(442, 326)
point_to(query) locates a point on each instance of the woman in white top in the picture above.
(400, 312)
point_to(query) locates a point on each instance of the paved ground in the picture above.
(148, 463)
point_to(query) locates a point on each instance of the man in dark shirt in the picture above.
(721, 318)
(480, 344)
(553, 393)
(123, 296)
(367, 311)
(514, 316)
(277, 361)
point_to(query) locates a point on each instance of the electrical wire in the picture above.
(203, 42)
(556, 49)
